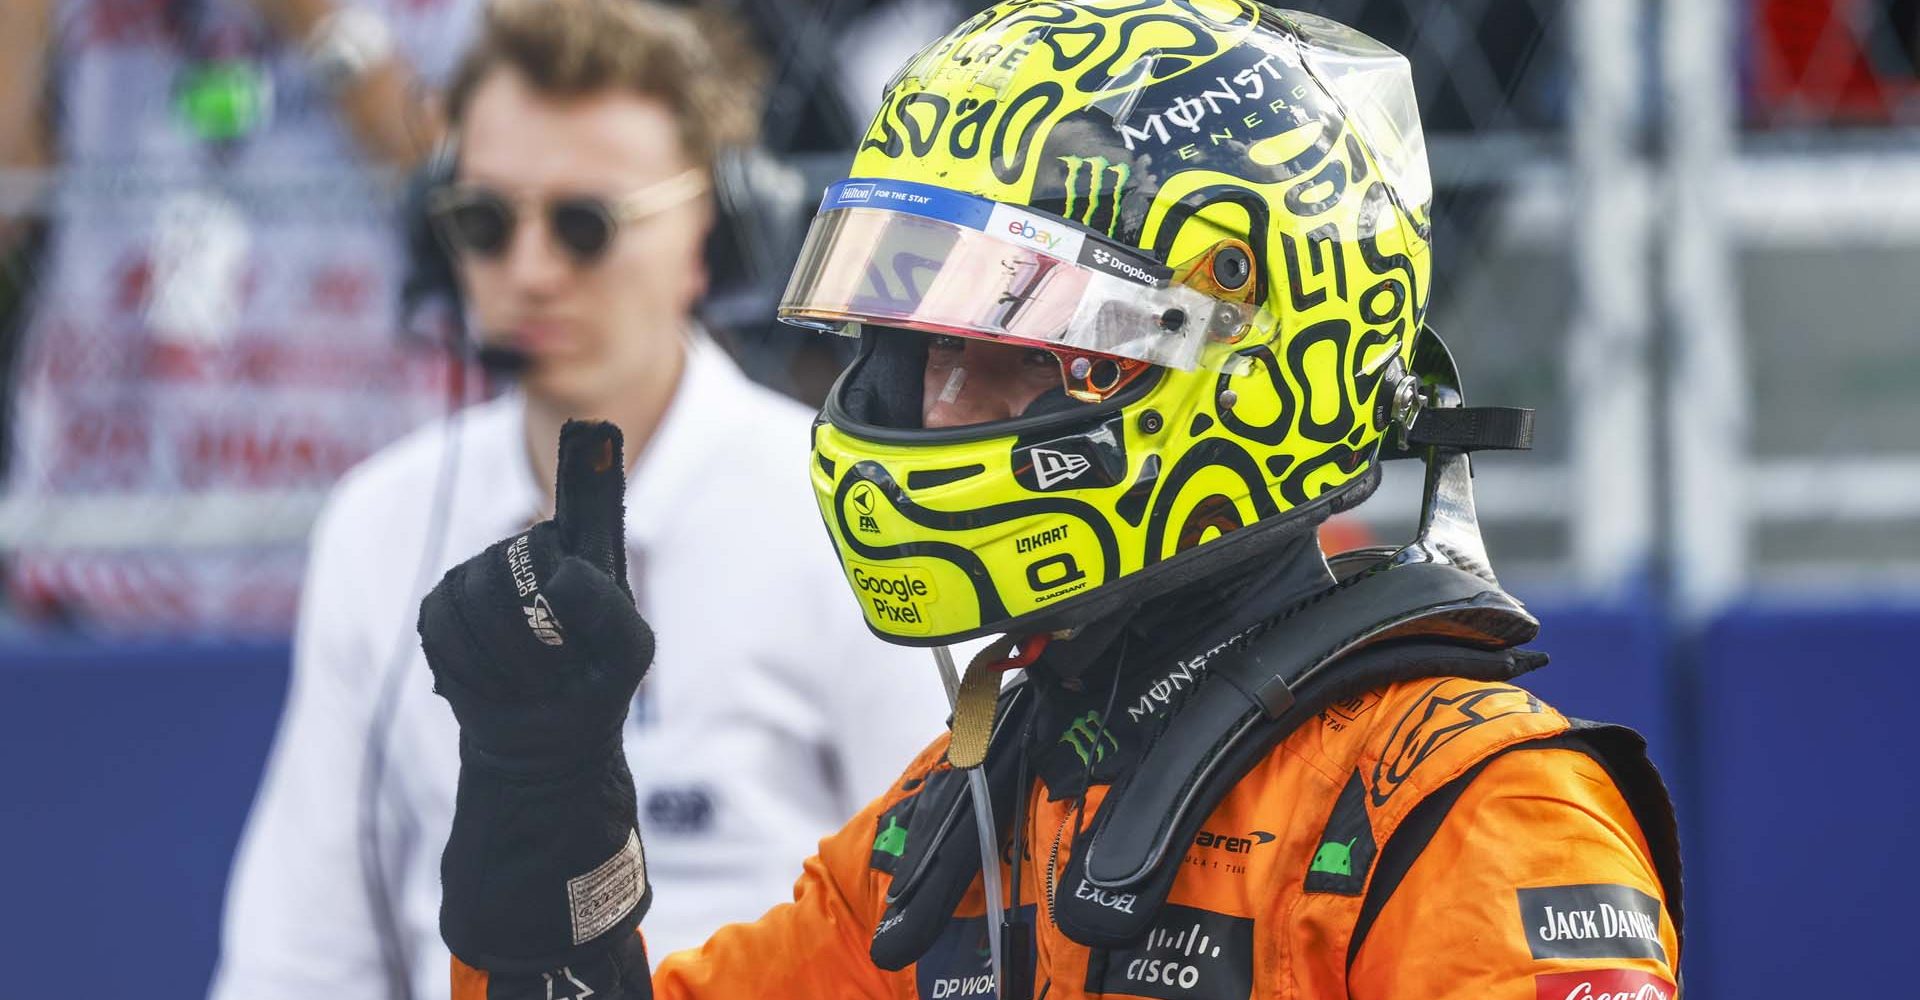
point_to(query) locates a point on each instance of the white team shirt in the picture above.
(770, 715)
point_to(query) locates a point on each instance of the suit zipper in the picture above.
(1053, 870)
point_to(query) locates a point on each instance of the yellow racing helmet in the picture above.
(1213, 214)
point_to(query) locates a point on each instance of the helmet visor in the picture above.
(925, 258)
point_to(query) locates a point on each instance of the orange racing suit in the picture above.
(1436, 839)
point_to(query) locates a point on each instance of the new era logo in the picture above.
(1051, 467)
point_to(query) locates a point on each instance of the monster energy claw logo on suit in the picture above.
(1089, 738)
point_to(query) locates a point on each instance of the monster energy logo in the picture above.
(1098, 169)
(1089, 738)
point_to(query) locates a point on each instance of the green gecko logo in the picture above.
(1089, 738)
(893, 839)
(1099, 167)
(1334, 858)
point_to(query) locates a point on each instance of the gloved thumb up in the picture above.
(535, 642)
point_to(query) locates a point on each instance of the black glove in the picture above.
(537, 646)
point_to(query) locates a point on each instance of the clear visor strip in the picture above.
(1129, 307)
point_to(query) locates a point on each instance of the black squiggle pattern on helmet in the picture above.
(1366, 384)
(1259, 220)
(1207, 454)
(1339, 333)
(1166, 60)
(1217, 511)
(1322, 252)
(1294, 488)
(920, 140)
(1332, 176)
(991, 608)
(1009, 170)
(970, 127)
(1275, 431)
(1377, 201)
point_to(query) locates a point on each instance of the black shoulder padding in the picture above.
(1143, 848)
(1402, 623)
(942, 855)
(1618, 749)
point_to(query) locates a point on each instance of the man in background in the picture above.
(584, 133)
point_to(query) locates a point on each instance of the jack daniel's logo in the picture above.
(1591, 921)
(1605, 922)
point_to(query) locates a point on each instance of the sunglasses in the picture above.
(480, 221)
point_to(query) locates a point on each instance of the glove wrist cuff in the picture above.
(525, 764)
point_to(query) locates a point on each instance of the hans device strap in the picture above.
(935, 868)
(1406, 622)
(1403, 623)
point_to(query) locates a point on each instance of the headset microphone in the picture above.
(502, 360)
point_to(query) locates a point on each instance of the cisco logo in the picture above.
(1188, 949)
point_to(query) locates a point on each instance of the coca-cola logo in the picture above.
(1602, 984)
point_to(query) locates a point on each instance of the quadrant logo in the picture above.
(1188, 953)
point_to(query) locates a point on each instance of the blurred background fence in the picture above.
(1688, 231)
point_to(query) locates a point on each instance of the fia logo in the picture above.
(540, 619)
(1051, 467)
(863, 503)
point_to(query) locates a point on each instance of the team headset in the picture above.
(760, 219)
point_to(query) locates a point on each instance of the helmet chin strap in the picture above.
(1435, 424)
